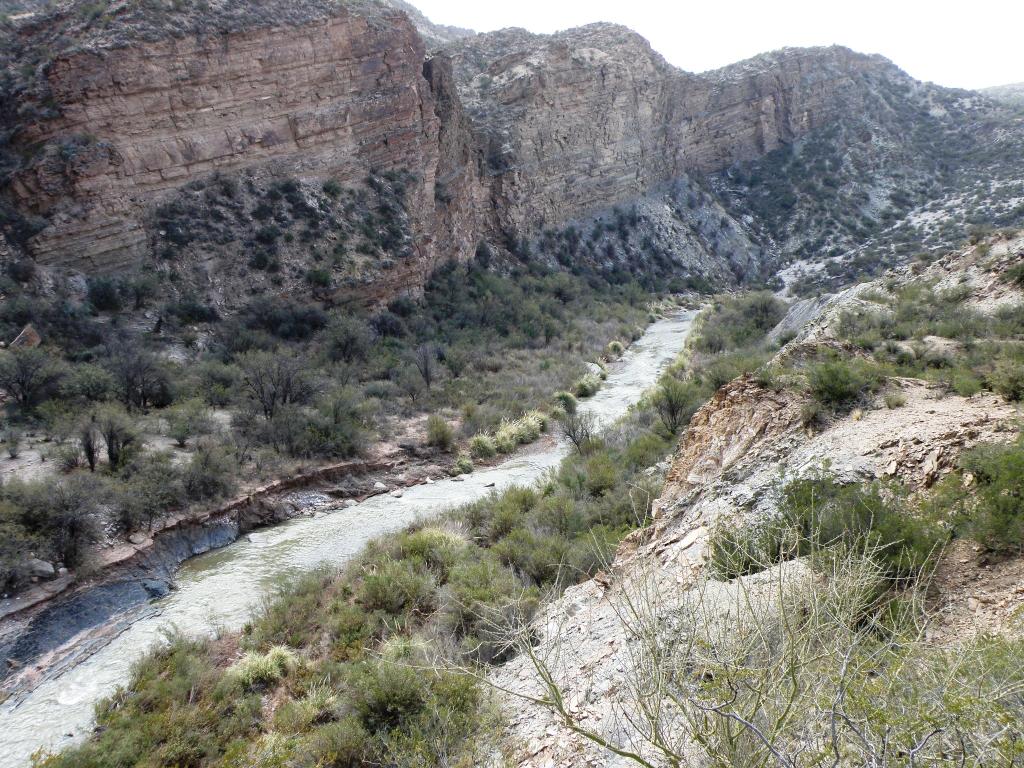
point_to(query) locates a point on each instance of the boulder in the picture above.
(40, 569)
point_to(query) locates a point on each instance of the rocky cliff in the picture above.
(114, 112)
(330, 98)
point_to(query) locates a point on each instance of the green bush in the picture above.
(839, 383)
(566, 401)
(817, 513)
(104, 294)
(739, 321)
(1007, 379)
(394, 587)
(439, 433)
(587, 385)
(463, 464)
(994, 516)
(342, 744)
(482, 446)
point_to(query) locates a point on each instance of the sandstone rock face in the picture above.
(586, 118)
(333, 98)
(505, 134)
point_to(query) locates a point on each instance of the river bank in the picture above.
(217, 591)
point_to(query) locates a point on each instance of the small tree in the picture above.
(89, 439)
(188, 420)
(672, 400)
(579, 428)
(139, 376)
(118, 433)
(28, 375)
(425, 359)
(276, 379)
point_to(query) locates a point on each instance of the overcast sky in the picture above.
(966, 44)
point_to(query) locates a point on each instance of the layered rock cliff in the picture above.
(111, 112)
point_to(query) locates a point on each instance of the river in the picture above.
(220, 589)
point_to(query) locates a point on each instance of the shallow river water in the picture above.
(220, 588)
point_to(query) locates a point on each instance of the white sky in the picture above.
(965, 44)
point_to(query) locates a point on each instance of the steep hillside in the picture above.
(594, 675)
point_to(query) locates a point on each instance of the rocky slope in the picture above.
(116, 114)
(727, 469)
(1012, 94)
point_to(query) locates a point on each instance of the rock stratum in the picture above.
(115, 114)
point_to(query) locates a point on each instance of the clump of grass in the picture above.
(482, 446)
(439, 433)
(587, 385)
(463, 464)
(566, 401)
(895, 400)
(263, 668)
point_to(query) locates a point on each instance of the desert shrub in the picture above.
(152, 487)
(88, 383)
(12, 438)
(463, 464)
(29, 376)
(676, 401)
(209, 474)
(286, 320)
(347, 339)
(895, 400)
(994, 513)
(824, 512)
(394, 587)
(482, 446)
(587, 385)
(739, 322)
(342, 744)
(187, 420)
(818, 513)
(566, 401)
(506, 437)
(839, 383)
(741, 550)
(62, 516)
(439, 433)
(318, 277)
(600, 473)
(104, 294)
(1007, 379)
(614, 349)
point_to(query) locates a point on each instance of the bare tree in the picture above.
(579, 428)
(138, 373)
(425, 359)
(28, 375)
(276, 379)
